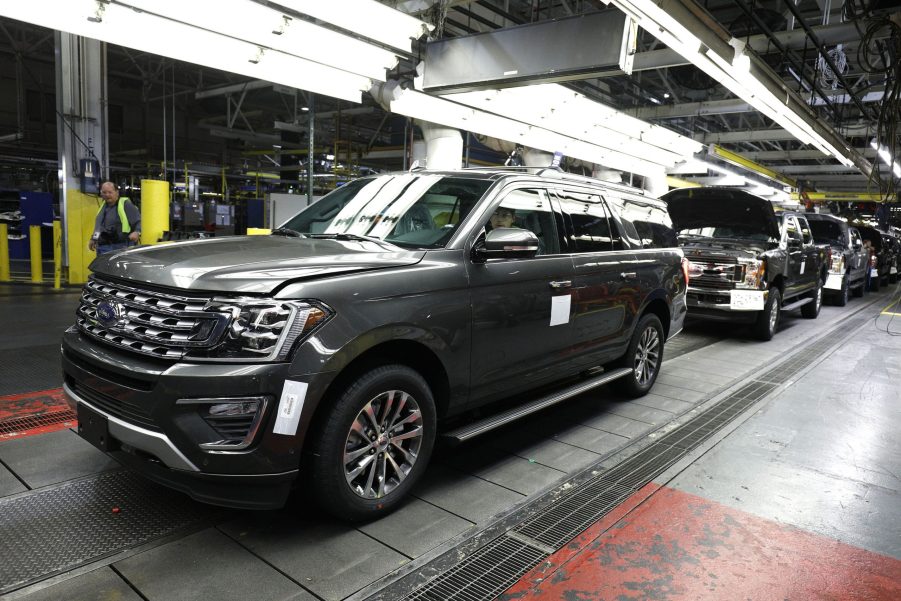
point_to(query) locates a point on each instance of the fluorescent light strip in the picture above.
(438, 110)
(665, 28)
(559, 109)
(127, 27)
(368, 18)
(258, 24)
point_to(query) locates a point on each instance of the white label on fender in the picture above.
(560, 309)
(746, 300)
(893, 270)
(290, 407)
(803, 265)
(834, 281)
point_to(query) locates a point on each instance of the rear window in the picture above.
(653, 224)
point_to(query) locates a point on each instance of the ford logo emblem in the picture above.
(108, 313)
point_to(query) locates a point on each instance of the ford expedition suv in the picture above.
(746, 263)
(328, 354)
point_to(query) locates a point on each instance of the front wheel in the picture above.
(644, 355)
(812, 309)
(768, 319)
(374, 443)
(842, 299)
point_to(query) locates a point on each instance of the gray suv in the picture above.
(331, 353)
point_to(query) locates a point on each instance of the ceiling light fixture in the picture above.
(115, 23)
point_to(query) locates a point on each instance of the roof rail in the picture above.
(558, 173)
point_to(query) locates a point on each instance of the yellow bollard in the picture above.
(57, 253)
(154, 210)
(37, 269)
(4, 252)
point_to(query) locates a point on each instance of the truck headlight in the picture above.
(754, 271)
(262, 329)
(838, 264)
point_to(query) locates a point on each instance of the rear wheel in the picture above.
(374, 444)
(812, 309)
(860, 290)
(644, 355)
(768, 319)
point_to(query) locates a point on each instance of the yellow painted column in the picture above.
(34, 239)
(154, 210)
(81, 212)
(57, 253)
(4, 252)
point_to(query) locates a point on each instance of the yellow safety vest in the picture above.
(123, 218)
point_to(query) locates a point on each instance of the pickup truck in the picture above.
(849, 259)
(746, 263)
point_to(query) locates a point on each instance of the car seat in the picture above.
(415, 219)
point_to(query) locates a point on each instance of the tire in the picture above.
(874, 284)
(843, 295)
(860, 290)
(812, 310)
(768, 319)
(360, 421)
(645, 355)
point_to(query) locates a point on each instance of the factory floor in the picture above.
(752, 471)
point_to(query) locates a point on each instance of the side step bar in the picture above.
(796, 304)
(496, 421)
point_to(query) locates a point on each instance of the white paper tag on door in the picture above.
(289, 408)
(560, 309)
(803, 265)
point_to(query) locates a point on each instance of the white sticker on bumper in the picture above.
(746, 300)
(874, 273)
(290, 407)
(834, 281)
(560, 309)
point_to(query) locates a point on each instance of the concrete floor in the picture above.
(810, 479)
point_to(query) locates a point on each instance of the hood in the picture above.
(691, 208)
(249, 264)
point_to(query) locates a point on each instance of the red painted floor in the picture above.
(677, 546)
(33, 413)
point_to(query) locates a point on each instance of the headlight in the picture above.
(262, 329)
(754, 270)
(694, 270)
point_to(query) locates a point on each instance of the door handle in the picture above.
(628, 275)
(560, 284)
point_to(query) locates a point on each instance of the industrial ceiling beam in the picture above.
(796, 155)
(803, 169)
(759, 135)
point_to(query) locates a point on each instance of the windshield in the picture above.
(827, 232)
(733, 232)
(409, 210)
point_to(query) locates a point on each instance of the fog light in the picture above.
(234, 420)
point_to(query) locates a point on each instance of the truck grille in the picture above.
(148, 322)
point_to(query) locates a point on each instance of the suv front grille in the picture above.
(148, 322)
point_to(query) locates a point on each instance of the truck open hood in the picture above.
(691, 208)
(249, 264)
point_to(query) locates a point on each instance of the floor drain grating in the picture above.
(30, 422)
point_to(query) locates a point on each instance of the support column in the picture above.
(81, 104)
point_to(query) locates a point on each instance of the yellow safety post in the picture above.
(57, 253)
(154, 210)
(4, 252)
(37, 269)
(258, 231)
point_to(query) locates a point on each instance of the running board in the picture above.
(796, 304)
(496, 421)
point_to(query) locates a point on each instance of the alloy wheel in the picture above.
(383, 444)
(647, 355)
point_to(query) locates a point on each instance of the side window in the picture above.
(652, 224)
(806, 235)
(591, 227)
(529, 209)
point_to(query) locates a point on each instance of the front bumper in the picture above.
(152, 433)
(716, 305)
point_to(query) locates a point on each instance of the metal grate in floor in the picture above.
(30, 422)
(55, 530)
(478, 578)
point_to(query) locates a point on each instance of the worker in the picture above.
(118, 222)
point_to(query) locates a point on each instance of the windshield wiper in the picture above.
(284, 231)
(345, 236)
(695, 236)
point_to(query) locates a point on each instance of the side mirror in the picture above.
(858, 245)
(794, 243)
(507, 243)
